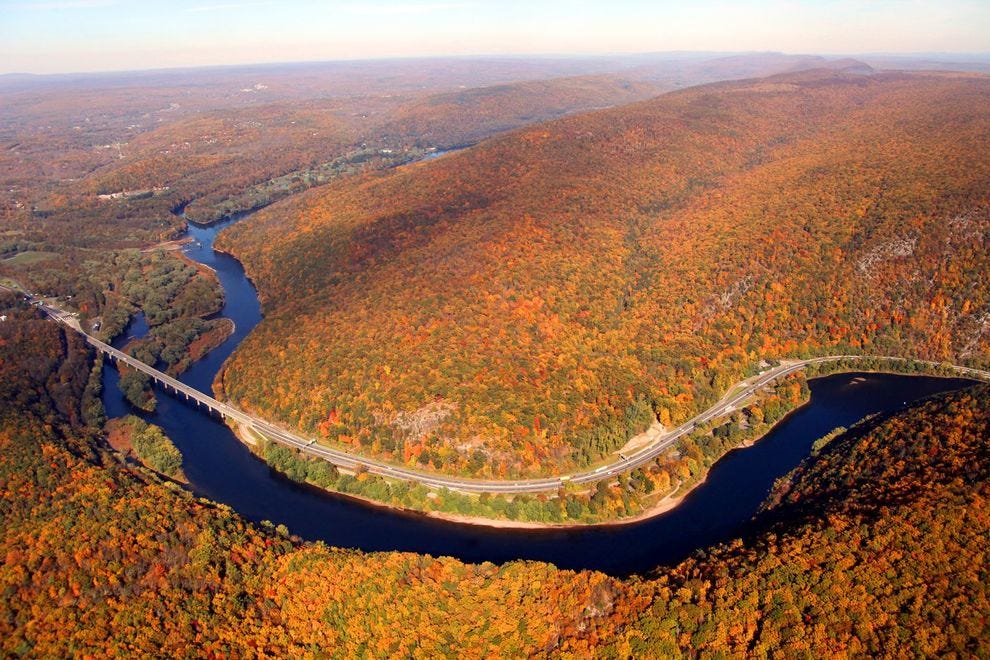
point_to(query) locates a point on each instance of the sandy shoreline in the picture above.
(664, 505)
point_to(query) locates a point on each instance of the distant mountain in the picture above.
(236, 159)
(696, 70)
(850, 65)
(538, 298)
(976, 62)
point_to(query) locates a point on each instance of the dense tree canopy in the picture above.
(527, 305)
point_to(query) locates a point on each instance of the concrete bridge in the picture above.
(736, 396)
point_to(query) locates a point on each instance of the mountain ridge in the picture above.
(556, 284)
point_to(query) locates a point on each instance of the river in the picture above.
(220, 468)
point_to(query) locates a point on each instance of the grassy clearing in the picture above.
(28, 258)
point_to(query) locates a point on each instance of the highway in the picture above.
(351, 461)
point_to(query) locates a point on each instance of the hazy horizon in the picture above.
(934, 57)
(102, 36)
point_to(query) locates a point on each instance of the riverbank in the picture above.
(168, 246)
(254, 443)
(675, 497)
(664, 504)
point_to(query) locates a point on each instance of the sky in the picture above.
(60, 36)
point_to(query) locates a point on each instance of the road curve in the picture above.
(351, 461)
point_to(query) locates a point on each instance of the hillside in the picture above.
(234, 138)
(82, 175)
(876, 546)
(236, 159)
(226, 153)
(92, 163)
(524, 306)
(96, 165)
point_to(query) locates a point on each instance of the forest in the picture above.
(78, 200)
(877, 543)
(526, 306)
(92, 172)
(109, 160)
(521, 307)
(82, 191)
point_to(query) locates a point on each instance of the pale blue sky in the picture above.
(46, 36)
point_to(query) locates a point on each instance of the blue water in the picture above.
(137, 328)
(219, 467)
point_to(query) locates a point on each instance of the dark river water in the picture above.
(221, 468)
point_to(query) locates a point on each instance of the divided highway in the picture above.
(350, 461)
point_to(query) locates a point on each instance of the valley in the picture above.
(663, 354)
(650, 333)
(565, 507)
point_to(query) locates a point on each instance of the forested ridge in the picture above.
(233, 139)
(526, 306)
(78, 196)
(107, 161)
(876, 546)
